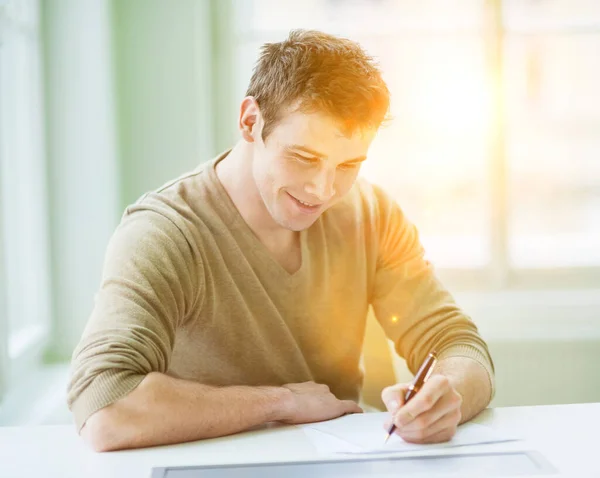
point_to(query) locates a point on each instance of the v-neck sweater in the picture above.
(188, 290)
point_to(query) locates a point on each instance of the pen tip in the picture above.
(387, 438)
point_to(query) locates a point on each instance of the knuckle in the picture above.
(387, 391)
(440, 382)
(392, 391)
(388, 394)
(427, 401)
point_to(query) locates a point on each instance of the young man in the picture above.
(237, 294)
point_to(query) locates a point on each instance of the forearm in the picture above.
(470, 379)
(164, 410)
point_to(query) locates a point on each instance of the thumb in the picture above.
(393, 397)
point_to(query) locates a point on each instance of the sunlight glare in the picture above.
(456, 102)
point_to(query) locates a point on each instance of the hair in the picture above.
(317, 72)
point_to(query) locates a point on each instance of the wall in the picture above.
(128, 108)
(82, 157)
(546, 371)
(164, 78)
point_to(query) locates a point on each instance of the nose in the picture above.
(322, 185)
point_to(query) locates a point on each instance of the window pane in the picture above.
(432, 156)
(553, 148)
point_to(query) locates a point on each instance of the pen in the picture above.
(420, 378)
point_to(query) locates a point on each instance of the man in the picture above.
(237, 294)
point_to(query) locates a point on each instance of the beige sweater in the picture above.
(188, 290)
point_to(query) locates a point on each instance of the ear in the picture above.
(250, 119)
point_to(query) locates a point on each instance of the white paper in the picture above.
(364, 433)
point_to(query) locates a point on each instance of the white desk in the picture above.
(567, 435)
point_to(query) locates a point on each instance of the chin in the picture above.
(292, 220)
(295, 224)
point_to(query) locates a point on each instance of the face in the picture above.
(305, 166)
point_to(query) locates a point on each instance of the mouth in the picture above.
(305, 207)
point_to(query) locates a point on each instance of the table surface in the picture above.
(567, 436)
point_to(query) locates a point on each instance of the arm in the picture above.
(420, 315)
(120, 393)
(164, 410)
(458, 389)
(148, 288)
(472, 382)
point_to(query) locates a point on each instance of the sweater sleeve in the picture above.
(150, 282)
(416, 311)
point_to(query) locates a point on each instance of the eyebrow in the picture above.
(312, 152)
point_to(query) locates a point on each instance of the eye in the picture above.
(305, 160)
(348, 166)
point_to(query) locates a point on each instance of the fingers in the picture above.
(393, 397)
(425, 400)
(350, 406)
(433, 414)
(442, 430)
(450, 402)
(443, 436)
(313, 402)
(346, 406)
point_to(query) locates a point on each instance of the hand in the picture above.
(314, 402)
(431, 416)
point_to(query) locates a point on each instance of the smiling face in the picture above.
(305, 166)
(303, 162)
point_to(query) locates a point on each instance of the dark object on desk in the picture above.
(420, 378)
(505, 464)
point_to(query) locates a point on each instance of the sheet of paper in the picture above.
(364, 433)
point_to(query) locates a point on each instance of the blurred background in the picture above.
(493, 151)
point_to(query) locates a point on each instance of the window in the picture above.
(553, 140)
(494, 149)
(25, 311)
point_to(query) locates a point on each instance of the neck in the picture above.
(235, 173)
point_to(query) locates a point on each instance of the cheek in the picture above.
(344, 182)
(266, 171)
(289, 173)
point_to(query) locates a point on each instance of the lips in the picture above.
(305, 206)
(306, 203)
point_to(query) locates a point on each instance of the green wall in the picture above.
(163, 91)
(133, 99)
(168, 58)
